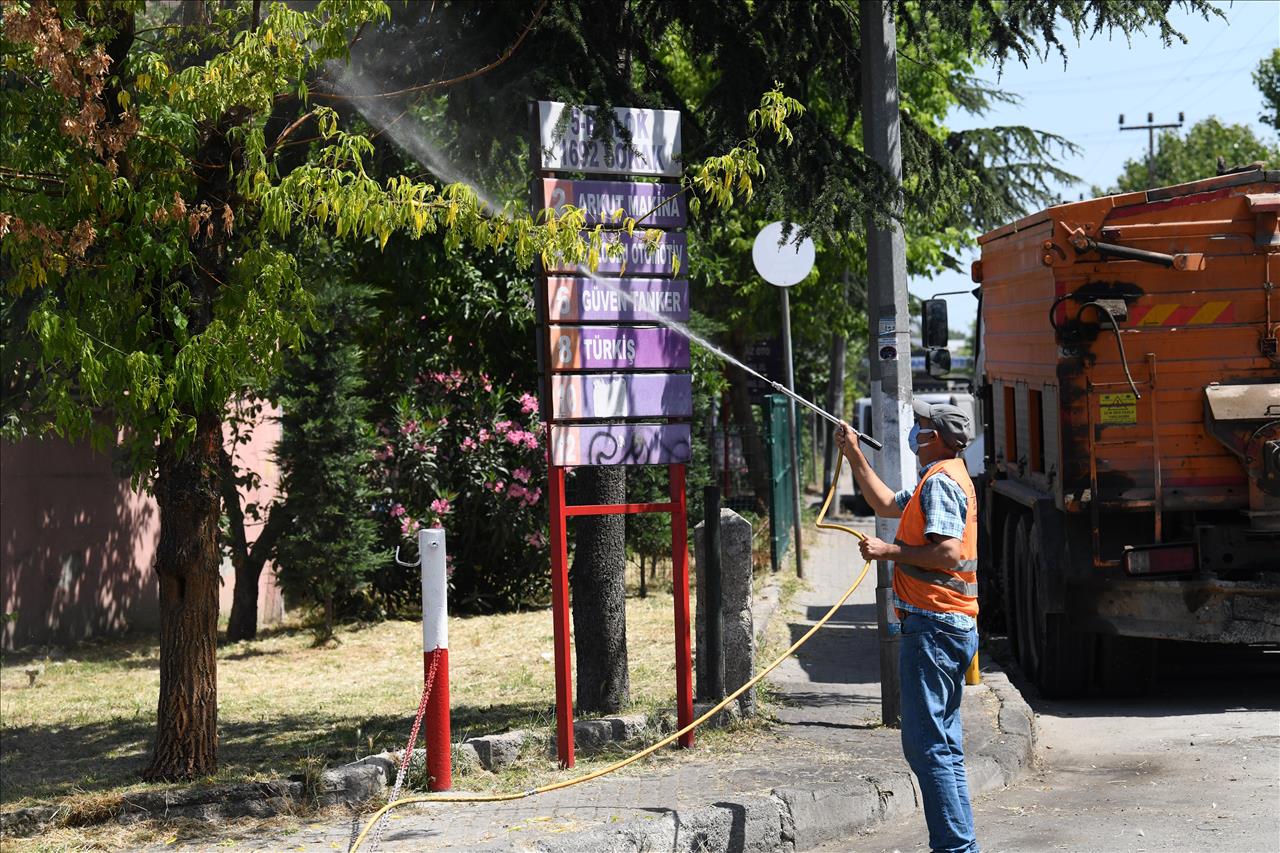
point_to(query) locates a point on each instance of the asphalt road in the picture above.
(1193, 766)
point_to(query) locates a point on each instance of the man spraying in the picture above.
(935, 584)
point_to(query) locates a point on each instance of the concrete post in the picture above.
(739, 647)
(889, 349)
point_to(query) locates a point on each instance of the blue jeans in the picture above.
(932, 661)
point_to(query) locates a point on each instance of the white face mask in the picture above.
(913, 437)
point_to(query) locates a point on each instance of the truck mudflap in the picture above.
(1199, 610)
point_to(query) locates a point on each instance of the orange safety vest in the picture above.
(940, 590)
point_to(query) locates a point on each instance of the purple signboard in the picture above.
(637, 257)
(614, 348)
(651, 205)
(620, 444)
(577, 300)
(621, 395)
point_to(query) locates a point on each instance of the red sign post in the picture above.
(604, 368)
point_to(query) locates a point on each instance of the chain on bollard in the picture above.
(408, 749)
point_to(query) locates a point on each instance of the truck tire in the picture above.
(1062, 657)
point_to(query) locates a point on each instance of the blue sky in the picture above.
(1210, 75)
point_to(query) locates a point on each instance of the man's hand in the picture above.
(877, 549)
(847, 441)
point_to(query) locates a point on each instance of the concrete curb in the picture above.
(789, 819)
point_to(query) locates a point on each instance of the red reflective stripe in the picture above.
(1181, 201)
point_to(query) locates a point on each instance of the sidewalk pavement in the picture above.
(825, 771)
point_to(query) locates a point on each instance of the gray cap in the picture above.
(950, 421)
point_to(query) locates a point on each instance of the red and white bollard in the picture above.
(435, 655)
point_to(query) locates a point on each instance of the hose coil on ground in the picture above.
(822, 524)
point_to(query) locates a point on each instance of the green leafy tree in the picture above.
(326, 553)
(709, 59)
(1203, 152)
(152, 179)
(1267, 78)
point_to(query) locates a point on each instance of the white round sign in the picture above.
(785, 264)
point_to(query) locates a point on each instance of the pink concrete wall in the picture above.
(257, 455)
(77, 544)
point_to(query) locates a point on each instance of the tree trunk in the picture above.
(248, 562)
(243, 622)
(187, 561)
(753, 448)
(597, 583)
(835, 400)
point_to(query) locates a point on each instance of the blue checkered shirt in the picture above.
(945, 509)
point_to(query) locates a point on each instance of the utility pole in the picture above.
(1151, 129)
(889, 350)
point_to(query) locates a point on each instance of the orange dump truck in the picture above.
(1131, 387)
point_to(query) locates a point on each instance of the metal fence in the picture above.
(781, 483)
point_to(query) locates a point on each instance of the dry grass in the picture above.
(83, 733)
(89, 720)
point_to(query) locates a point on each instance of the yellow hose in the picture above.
(822, 523)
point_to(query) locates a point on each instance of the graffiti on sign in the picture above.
(571, 143)
(620, 444)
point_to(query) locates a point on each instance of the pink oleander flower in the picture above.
(409, 428)
(409, 525)
(440, 505)
(437, 525)
(483, 435)
(469, 444)
(448, 565)
(419, 447)
(516, 437)
(521, 474)
(397, 510)
(536, 540)
(531, 440)
(532, 497)
(444, 422)
(499, 486)
(528, 403)
(502, 426)
(516, 491)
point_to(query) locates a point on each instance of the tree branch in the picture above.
(277, 520)
(440, 84)
(288, 130)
